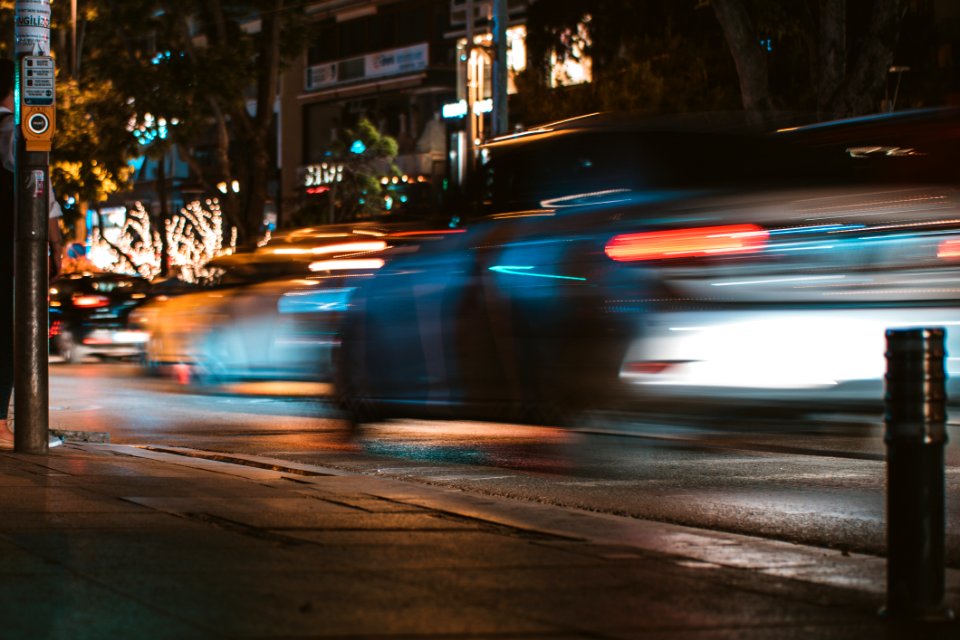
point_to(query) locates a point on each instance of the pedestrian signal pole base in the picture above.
(30, 347)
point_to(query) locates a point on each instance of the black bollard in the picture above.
(915, 403)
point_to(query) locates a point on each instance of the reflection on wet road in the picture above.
(813, 479)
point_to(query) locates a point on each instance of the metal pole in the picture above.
(470, 131)
(500, 117)
(915, 418)
(31, 382)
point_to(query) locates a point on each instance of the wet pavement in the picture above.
(110, 541)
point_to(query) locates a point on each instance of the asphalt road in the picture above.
(812, 479)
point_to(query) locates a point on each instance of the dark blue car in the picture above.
(590, 236)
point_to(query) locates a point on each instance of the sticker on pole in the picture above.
(37, 80)
(38, 181)
(32, 27)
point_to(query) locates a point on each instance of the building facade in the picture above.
(385, 60)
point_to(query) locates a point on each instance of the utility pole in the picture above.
(34, 118)
(499, 28)
(469, 128)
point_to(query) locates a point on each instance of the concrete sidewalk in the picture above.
(102, 541)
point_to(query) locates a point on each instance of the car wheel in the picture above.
(356, 407)
(563, 385)
(68, 348)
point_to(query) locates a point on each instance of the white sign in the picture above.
(321, 75)
(395, 61)
(37, 80)
(32, 27)
(375, 65)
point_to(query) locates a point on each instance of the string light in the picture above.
(194, 237)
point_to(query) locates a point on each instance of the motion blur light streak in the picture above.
(347, 247)
(949, 249)
(572, 200)
(687, 243)
(806, 247)
(818, 228)
(866, 208)
(314, 301)
(776, 280)
(907, 225)
(346, 265)
(426, 232)
(525, 214)
(524, 271)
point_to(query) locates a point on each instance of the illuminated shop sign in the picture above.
(459, 109)
(316, 176)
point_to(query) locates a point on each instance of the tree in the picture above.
(91, 149)
(366, 156)
(823, 57)
(200, 63)
(647, 56)
(847, 47)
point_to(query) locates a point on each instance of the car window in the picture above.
(584, 167)
(237, 272)
(113, 284)
(529, 176)
(915, 149)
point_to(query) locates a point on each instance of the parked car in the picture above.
(610, 256)
(273, 313)
(89, 315)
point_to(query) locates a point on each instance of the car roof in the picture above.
(714, 122)
(100, 275)
(931, 115)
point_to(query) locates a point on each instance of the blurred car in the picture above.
(619, 260)
(820, 335)
(89, 315)
(273, 313)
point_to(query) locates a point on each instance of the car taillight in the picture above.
(90, 302)
(949, 250)
(687, 243)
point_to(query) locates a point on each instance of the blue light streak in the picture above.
(524, 271)
(816, 229)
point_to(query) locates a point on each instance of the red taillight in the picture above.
(90, 302)
(55, 328)
(687, 243)
(650, 366)
(949, 250)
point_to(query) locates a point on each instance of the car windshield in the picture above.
(105, 283)
(576, 167)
